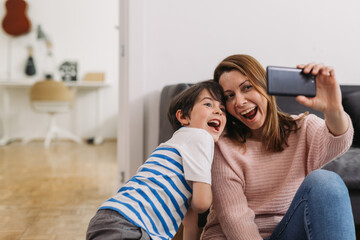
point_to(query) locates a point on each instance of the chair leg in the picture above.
(69, 135)
(48, 136)
(51, 131)
(55, 130)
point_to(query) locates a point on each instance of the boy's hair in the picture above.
(185, 100)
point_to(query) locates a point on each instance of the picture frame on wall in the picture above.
(68, 71)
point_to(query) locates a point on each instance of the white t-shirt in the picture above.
(196, 147)
(157, 197)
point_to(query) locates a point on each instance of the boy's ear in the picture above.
(181, 118)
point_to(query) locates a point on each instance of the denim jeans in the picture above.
(320, 210)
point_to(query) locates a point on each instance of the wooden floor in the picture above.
(52, 194)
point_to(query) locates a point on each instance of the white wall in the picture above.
(183, 41)
(131, 107)
(85, 31)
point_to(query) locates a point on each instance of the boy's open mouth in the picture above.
(250, 113)
(214, 123)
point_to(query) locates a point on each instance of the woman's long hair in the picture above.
(277, 126)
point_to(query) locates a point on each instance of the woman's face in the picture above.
(243, 101)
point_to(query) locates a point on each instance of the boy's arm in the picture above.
(200, 202)
(190, 223)
(201, 197)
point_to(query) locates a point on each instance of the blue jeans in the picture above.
(320, 210)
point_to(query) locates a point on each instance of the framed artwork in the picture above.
(68, 71)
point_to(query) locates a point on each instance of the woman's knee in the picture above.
(326, 183)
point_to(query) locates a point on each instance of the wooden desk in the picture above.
(6, 85)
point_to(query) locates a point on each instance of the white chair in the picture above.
(52, 97)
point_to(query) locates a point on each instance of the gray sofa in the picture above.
(347, 166)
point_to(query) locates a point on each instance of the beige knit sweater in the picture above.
(253, 190)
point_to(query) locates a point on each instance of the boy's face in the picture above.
(208, 114)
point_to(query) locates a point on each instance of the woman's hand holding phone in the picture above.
(328, 97)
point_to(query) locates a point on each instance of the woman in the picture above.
(265, 179)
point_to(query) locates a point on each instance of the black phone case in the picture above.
(284, 81)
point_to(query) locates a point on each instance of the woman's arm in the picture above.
(230, 203)
(328, 97)
(321, 145)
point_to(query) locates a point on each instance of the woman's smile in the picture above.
(243, 101)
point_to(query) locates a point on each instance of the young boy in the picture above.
(176, 177)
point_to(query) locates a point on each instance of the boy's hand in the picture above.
(191, 230)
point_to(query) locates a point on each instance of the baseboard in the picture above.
(114, 139)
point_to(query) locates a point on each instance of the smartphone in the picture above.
(284, 81)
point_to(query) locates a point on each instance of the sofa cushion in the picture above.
(351, 103)
(348, 167)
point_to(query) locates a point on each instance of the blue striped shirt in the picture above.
(157, 197)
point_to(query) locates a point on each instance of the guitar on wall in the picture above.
(15, 22)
